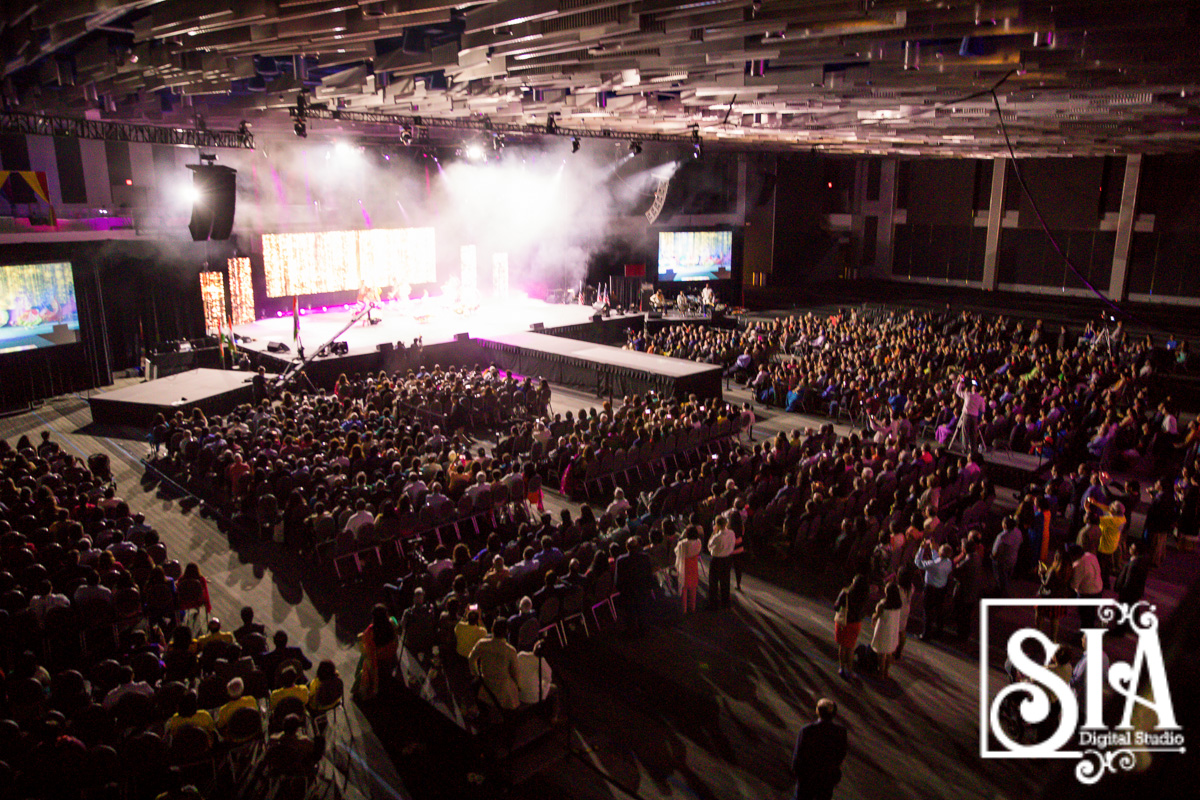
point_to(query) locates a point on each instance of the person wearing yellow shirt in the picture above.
(1112, 530)
(467, 632)
(215, 634)
(237, 700)
(325, 690)
(189, 714)
(289, 686)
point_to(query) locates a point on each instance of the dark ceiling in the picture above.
(876, 76)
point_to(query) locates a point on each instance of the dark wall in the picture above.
(1166, 260)
(803, 246)
(940, 240)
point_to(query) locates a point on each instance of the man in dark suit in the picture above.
(1131, 580)
(634, 579)
(820, 750)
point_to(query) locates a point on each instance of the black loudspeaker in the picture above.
(596, 317)
(385, 347)
(340, 348)
(537, 326)
(654, 315)
(461, 337)
(216, 198)
(277, 347)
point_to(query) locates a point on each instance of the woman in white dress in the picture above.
(687, 564)
(887, 627)
(904, 580)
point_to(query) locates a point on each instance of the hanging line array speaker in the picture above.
(215, 201)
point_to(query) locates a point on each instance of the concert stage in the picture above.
(431, 319)
(213, 391)
(499, 332)
(600, 368)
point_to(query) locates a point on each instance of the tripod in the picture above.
(960, 435)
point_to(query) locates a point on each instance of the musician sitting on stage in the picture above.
(658, 301)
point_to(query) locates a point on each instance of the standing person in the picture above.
(1086, 581)
(1160, 519)
(972, 410)
(379, 644)
(1112, 532)
(687, 564)
(495, 661)
(634, 579)
(818, 755)
(886, 637)
(1055, 579)
(1131, 580)
(848, 611)
(1004, 554)
(967, 576)
(937, 583)
(904, 581)
(720, 547)
(737, 524)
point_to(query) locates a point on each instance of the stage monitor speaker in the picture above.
(340, 348)
(596, 317)
(462, 337)
(654, 315)
(215, 202)
(385, 347)
(277, 347)
(537, 326)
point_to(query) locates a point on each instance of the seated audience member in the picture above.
(126, 686)
(270, 662)
(290, 685)
(190, 714)
(326, 689)
(214, 635)
(467, 632)
(237, 699)
(248, 625)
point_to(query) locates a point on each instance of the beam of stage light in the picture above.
(469, 273)
(474, 152)
(403, 210)
(365, 215)
(500, 276)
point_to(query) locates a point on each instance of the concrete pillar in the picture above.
(1118, 288)
(994, 219)
(885, 232)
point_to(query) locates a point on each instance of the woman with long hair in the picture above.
(886, 637)
(379, 644)
(1055, 579)
(687, 564)
(849, 608)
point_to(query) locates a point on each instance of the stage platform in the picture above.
(606, 370)
(431, 320)
(213, 391)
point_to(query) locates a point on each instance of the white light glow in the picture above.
(474, 152)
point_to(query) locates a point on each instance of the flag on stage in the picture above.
(296, 322)
(221, 341)
(233, 350)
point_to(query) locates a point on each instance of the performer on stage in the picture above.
(708, 298)
(368, 298)
(658, 301)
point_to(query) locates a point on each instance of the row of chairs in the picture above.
(625, 468)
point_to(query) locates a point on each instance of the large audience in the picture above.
(99, 659)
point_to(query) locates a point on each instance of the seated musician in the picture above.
(658, 300)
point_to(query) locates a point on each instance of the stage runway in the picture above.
(431, 320)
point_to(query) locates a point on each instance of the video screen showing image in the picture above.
(342, 261)
(695, 255)
(37, 306)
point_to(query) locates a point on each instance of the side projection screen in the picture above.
(695, 255)
(37, 306)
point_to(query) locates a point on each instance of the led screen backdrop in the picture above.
(338, 261)
(695, 255)
(37, 306)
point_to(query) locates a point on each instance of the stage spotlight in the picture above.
(189, 193)
(474, 152)
(405, 135)
(575, 145)
(635, 147)
(301, 129)
(697, 150)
